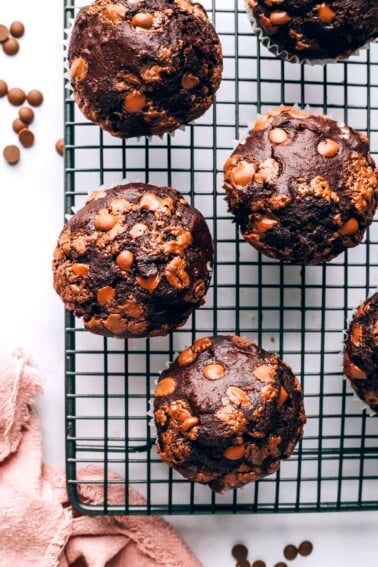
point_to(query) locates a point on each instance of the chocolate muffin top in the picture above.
(302, 187)
(361, 352)
(226, 412)
(311, 29)
(134, 262)
(144, 67)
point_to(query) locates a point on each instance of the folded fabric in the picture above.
(38, 526)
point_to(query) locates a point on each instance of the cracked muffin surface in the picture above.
(301, 186)
(227, 412)
(315, 30)
(361, 352)
(135, 261)
(144, 67)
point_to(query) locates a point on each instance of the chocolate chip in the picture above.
(290, 552)
(305, 548)
(142, 20)
(165, 387)
(59, 146)
(235, 452)
(26, 137)
(279, 18)
(17, 29)
(4, 33)
(3, 88)
(258, 563)
(16, 96)
(125, 260)
(280, 564)
(135, 102)
(239, 551)
(213, 371)
(11, 47)
(243, 563)
(12, 154)
(26, 114)
(18, 125)
(35, 97)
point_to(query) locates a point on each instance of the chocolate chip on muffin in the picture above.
(315, 30)
(144, 67)
(302, 187)
(134, 262)
(361, 352)
(227, 412)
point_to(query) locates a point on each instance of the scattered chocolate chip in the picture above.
(35, 97)
(59, 146)
(17, 29)
(16, 96)
(3, 88)
(258, 563)
(4, 33)
(26, 137)
(18, 125)
(26, 114)
(12, 154)
(305, 548)
(11, 46)
(243, 563)
(280, 564)
(239, 551)
(290, 552)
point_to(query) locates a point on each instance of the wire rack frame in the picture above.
(299, 312)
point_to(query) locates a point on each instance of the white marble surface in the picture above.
(32, 316)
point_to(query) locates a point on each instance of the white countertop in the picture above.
(32, 315)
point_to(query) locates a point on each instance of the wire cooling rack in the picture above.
(296, 311)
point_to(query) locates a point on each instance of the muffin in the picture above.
(227, 412)
(310, 30)
(144, 67)
(302, 187)
(135, 261)
(361, 352)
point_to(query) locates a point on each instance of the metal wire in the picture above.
(298, 312)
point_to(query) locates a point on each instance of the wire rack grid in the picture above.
(299, 312)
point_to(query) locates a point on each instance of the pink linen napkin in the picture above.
(38, 527)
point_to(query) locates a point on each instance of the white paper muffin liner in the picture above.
(289, 57)
(356, 399)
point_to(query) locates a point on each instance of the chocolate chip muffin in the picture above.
(302, 187)
(144, 67)
(227, 412)
(134, 262)
(315, 30)
(361, 352)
